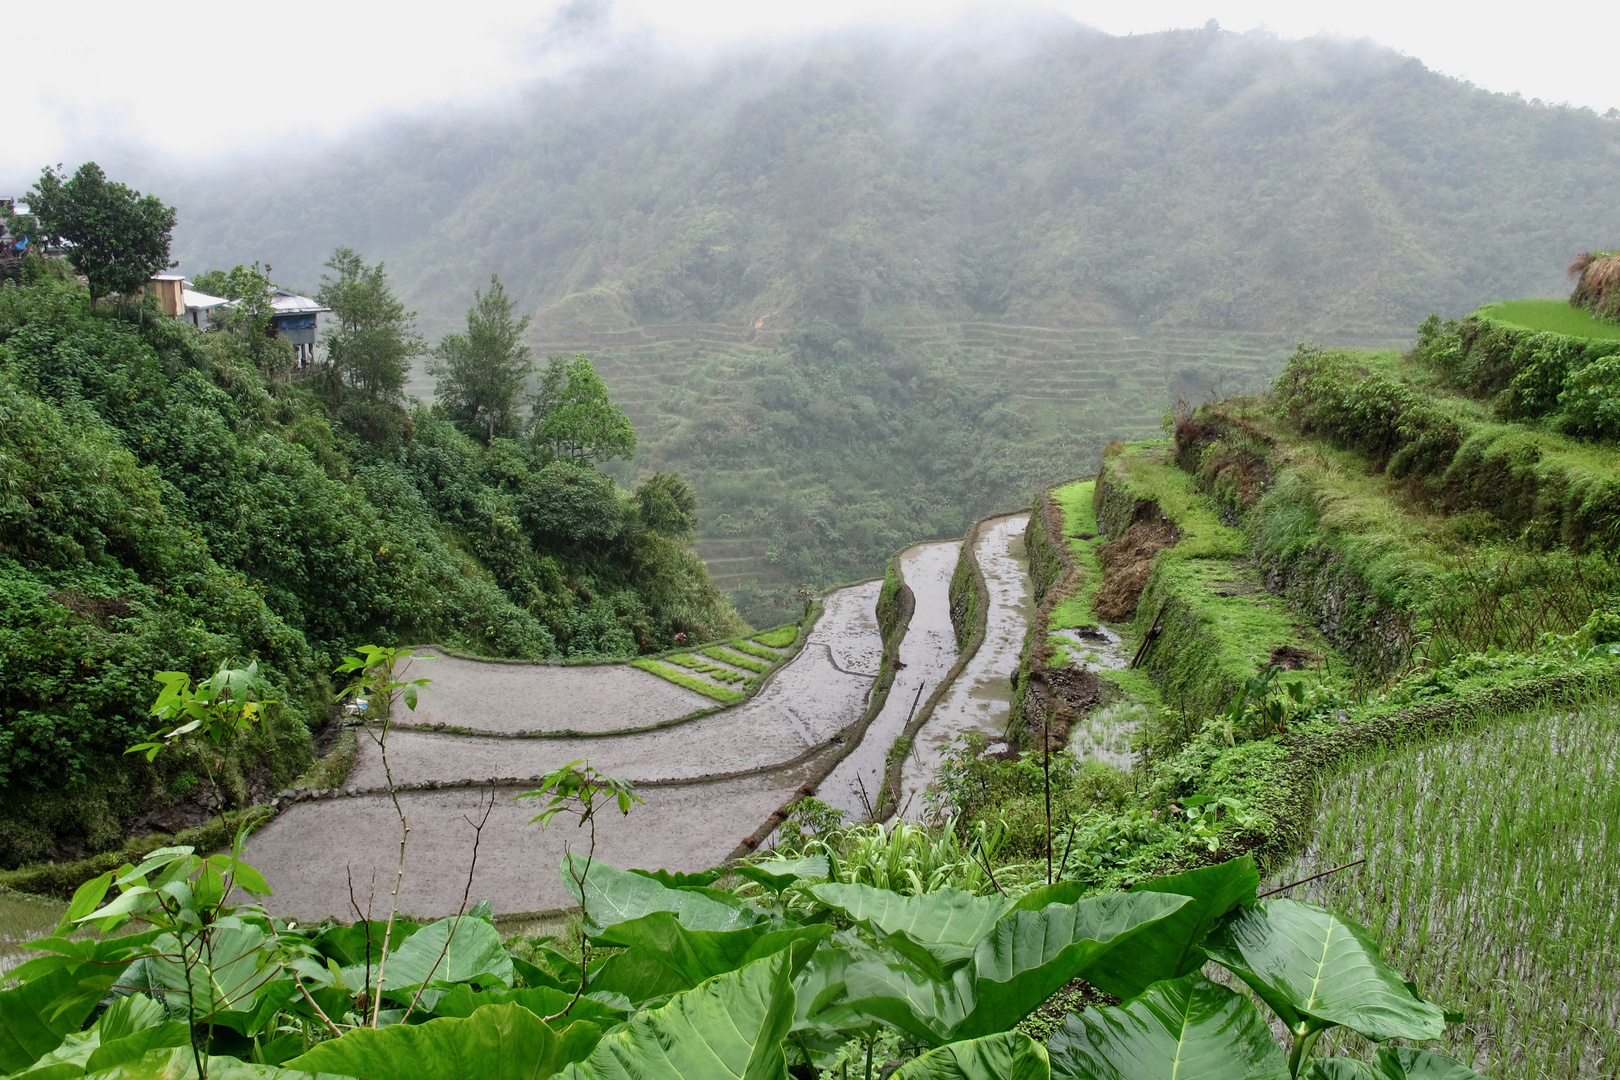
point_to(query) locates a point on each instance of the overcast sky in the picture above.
(200, 81)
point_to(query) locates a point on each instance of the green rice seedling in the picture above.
(1492, 877)
(751, 649)
(726, 656)
(780, 638)
(690, 682)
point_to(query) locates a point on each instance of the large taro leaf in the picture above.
(474, 952)
(462, 1000)
(945, 916)
(37, 1016)
(778, 874)
(896, 992)
(356, 944)
(1317, 970)
(1030, 954)
(1188, 1027)
(1171, 948)
(663, 957)
(1007, 1055)
(179, 1063)
(1394, 1063)
(731, 1026)
(498, 1042)
(227, 971)
(613, 896)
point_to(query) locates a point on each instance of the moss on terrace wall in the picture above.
(1217, 625)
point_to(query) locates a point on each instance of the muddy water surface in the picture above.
(310, 851)
(540, 697)
(927, 652)
(981, 698)
(24, 918)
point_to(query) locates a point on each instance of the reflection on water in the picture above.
(981, 698)
(927, 653)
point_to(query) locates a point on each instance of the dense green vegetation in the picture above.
(163, 507)
(863, 292)
(800, 967)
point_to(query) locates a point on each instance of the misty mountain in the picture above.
(863, 289)
(1038, 172)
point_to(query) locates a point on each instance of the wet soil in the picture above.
(309, 851)
(510, 698)
(981, 698)
(927, 653)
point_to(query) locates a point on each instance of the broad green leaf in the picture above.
(448, 951)
(1342, 1068)
(1007, 1055)
(127, 1015)
(1058, 892)
(948, 916)
(697, 955)
(498, 1042)
(1405, 1063)
(352, 945)
(614, 896)
(228, 968)
(1317, 970)
(778, 874)
(731, 1026)
(1030, 954)
(672, 880)
(179, 1063)
(86, 898)
(897, 993)
(1188, 1027)
(462, 1000)
(37, 1016)
(1171, 948)
(137, 1044)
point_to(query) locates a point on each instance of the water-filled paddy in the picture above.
(927, 653)
(981, 698)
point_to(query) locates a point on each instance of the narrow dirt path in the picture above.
(981, 698)
(312, 848)
(927, 653)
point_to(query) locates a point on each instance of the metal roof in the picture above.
(201, 300)
(286, 303)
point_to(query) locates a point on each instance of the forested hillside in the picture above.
(163, 507)
(802, 265)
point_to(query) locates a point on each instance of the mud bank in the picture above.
(926, 653)
(980, 699)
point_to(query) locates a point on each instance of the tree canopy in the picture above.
(117, 237)
(371, 346)
(576, 418)
(481, 372)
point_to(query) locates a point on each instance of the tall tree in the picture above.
(481, 372)
(575, 418)
(119, 237)
(371, 348)
(251, 317)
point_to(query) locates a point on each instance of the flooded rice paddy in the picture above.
(981, 698)
(926, 655)
(709, 782)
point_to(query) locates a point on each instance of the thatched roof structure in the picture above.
(1598, 288)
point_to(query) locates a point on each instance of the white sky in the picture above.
(199, 81)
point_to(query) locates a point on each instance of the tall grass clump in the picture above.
(1492, 872)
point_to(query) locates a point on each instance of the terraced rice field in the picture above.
(1491, 877)
(927, 653)
(709, 780)
(980, 700)
(1109, 381)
